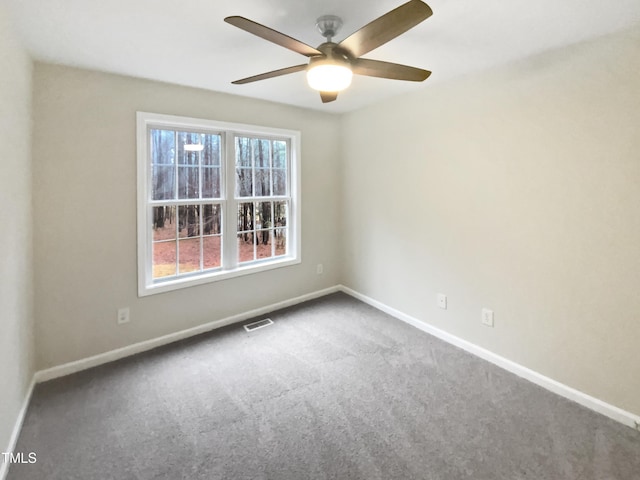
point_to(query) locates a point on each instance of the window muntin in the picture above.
(216, 200)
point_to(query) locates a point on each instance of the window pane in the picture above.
(190, 155)
(188, 182)
(281, 220)
(164, 226)
(210, 182)
(246, 237)
(163, 147)
(246, 247)
(262, 182)
(279, 154)
(189, 255)
(162, 160)
(261, 153)
(211, 251)
(243, 152)
(263, 215)
(211, 219)
(281, 241)
(189, 221)
(263, 244)
(164, 259)
(279, 181)
(280, 214)
(244, 182)
(245, 217)
(211, 152)
(163, 182)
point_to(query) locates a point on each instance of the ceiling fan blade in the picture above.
(272, 36)
(394, 71)
(328, 96)
(386, 27)
(271, 74)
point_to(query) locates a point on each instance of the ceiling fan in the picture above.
(331, 65)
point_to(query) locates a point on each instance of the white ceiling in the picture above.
(186, 41)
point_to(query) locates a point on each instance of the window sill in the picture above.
(209, 277)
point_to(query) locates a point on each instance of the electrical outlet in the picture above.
(442, 301)
(487, 317)
(319, 269)
(123, 315)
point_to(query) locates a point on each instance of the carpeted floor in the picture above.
(333, 390)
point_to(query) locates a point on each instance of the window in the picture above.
(215, 200)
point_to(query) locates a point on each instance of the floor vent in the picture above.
(249, 327)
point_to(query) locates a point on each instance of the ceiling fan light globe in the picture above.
(329, 77)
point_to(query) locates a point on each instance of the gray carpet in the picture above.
(333, 390)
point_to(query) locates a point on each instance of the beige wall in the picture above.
(16, 272)
(85, 212)
(516, 190)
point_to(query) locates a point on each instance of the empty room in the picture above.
(295, 240)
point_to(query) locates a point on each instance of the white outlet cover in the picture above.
(442, 301)
(487, 317)
(123, 315)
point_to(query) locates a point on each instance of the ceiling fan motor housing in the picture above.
(332, 54)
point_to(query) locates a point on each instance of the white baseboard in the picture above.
(102, 358)
(592, 403)
(4, 466)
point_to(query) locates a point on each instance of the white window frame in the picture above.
(229, 202)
